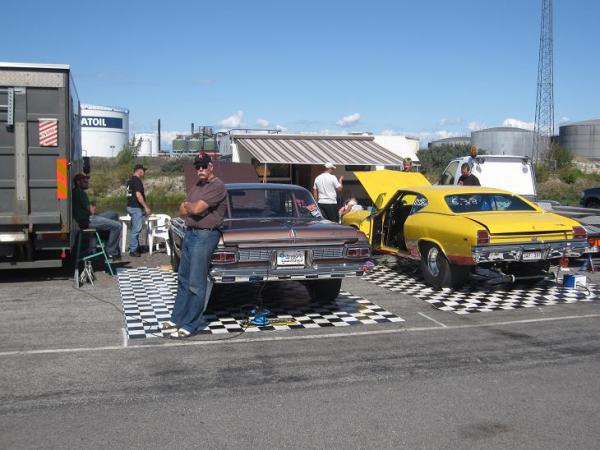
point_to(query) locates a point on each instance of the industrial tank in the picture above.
(104, 130)
(180, 145)
(148, 144)
(210, 144)
(582, 138)
(194, 145)
(455, 140)
(504, 141)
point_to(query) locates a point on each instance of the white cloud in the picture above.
(424, 136)
(348, 120)
(516, 123)
(166, 137)
(263, 123)
(474, 126)
(450, 121)
(564, 120)
(281, 128)
(233, 121)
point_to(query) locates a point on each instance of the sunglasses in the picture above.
(201, 166)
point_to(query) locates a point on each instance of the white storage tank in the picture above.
(582, 138)
(504, 141)
(148, 144)
(104, 130)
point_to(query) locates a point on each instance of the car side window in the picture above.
(419, 203)
(449, 174)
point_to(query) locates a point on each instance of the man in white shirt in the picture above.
(325, 189)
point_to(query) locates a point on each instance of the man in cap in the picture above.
(203, 211)
(473, 153)
(136, 207)
(86, 216)
(325, 189)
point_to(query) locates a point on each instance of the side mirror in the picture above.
(87, 168)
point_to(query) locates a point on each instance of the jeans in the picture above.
(137, 218)
(196, 252)
(101, 222)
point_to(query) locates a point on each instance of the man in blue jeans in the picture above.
(136, 207)
(203, 211)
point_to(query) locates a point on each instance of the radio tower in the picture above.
(544, 105)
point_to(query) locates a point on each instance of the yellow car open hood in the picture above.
(383, 184)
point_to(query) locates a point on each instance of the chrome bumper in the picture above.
(225, 275)
(514, 252)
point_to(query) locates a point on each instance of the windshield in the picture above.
(465, 203)
(274, 203)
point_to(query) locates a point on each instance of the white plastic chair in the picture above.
(159, 231)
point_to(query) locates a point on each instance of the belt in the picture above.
(202, 229)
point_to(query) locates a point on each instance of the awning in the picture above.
(300, 149)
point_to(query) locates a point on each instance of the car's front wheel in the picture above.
(324, 290)
(437, 270)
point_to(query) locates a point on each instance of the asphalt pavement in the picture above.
(70, 378)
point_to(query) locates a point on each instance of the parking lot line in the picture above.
(433, 320)
(230, 341)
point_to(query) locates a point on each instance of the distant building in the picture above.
(582, 138)
(456, 140)
(104, 130)
(148, 143)
(403, 146)
(504, 141)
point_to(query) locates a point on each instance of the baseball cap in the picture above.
(202, 161)
(329, 165)
(139, 166)
(80, 176)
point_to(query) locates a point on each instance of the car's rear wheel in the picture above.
(324, 290)
(437, 270)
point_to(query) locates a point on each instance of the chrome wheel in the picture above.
(432, 261)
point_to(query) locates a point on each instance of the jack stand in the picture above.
(260, 317)
(588, 264)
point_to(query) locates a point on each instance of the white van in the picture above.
(511, 173)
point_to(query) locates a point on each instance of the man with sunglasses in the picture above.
(203, 211)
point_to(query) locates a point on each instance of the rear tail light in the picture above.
(579, 233)
(223, 257)
(483, 237)
(594, 242)
(358, 252)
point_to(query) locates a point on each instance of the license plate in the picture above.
(290, 257)
(531, 256)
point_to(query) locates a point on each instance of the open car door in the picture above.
(381, 185)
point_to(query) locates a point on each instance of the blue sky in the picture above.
(430, 68)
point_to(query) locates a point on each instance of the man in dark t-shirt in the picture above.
(203, 211)
(467, 178)
(136, 207)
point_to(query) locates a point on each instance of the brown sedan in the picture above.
(275, 232)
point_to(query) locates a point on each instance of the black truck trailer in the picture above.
(40, 152)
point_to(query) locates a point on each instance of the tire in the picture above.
(438, 272)
(324, 290)
(592, 203)
(174, 256)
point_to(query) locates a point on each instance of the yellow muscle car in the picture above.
(453, 230)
